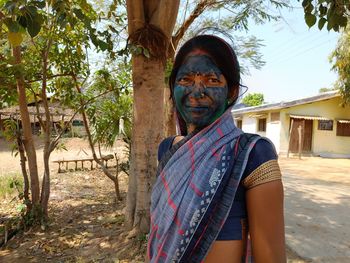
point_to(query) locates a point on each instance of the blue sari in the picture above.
(196, 184)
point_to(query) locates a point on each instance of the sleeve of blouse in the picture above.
(262, 166)
(164, 146)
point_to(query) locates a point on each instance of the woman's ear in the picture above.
(233, 94)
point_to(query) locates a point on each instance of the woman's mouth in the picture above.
(197, 108)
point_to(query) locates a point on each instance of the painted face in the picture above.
(200, 91)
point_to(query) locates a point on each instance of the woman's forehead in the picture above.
(198, 63)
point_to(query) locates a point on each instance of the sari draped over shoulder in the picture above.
(196, 184)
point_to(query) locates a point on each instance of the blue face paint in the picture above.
(200, 91)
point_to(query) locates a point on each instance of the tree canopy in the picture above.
(340, 59)
(333, 14)
(253, 99)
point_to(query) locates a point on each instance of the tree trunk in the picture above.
(45, 189)
(148, 81)
(150, 24)
(27, 133)
(24, 173)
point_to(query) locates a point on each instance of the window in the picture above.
(343, 128)
(275, 116)
(239, 124)
(262, 125)
(325, 125)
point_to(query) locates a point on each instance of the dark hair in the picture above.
(220, 52)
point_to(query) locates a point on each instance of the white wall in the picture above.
(249, 124)
(273, 130)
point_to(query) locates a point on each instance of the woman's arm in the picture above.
(266, 222)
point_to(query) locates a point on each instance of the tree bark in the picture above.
(27, 132)
(148, 80)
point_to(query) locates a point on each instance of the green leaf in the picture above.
(310, 19)
(321, 23)
(306, 2)
(34, 25)
(79, 14)
(102, 45)
(323, 10)
(146, 53)
(309, 8)
(22, 21)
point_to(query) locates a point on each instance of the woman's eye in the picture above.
(183, 80)
(214, 80)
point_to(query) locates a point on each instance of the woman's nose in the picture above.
(198, 90)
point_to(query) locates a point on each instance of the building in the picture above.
(61, 118)
(318, 125)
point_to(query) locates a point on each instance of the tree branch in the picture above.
(197, 11)
(50, 77)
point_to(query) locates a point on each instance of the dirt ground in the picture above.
(87, 225)
(317, 202)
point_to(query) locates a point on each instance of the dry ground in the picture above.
(88, 226)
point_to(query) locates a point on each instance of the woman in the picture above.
(216, 186)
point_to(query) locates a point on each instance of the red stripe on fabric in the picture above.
(217, 156)
(205, 228)
(178, 223)
(192, 185)
(196, 190)
(161, 253)
(236, 146)
(165, 183)
(219, 131)
(200, 141)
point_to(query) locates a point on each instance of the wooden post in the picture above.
(59, 167)
(299, 141)
(290, 136)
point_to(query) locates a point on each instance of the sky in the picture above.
(296, 57)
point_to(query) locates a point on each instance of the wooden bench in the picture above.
(63, 162)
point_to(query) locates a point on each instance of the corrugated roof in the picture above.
(281, 105)
(343, 121)
(308, 117)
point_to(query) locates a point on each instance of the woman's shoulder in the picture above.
(262, 165)
(166, 144)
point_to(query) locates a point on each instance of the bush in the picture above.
(10, 184)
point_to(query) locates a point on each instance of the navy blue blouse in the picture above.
(262, 152)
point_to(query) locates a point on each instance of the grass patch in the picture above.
(10, 184)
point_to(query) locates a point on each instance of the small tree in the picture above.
(340, 59)
(253, 99)
(110, 101)
(47, 39)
